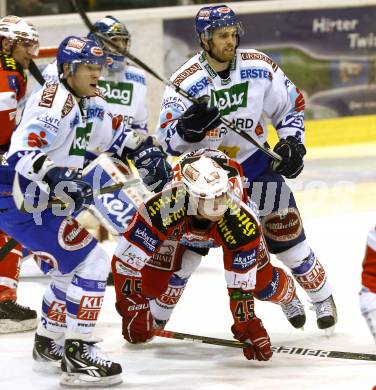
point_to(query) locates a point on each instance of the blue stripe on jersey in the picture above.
(88, 284)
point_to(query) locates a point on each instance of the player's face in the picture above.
(23, 52)
(223, 43)
(84, 81)
(213, 209)
(121, 42)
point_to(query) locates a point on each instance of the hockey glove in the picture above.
(197, 121)
(254, 333)
(292, 152)
(137, 318)
(152, 166)
(80, 191)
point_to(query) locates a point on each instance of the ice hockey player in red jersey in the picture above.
(367, 295)
(19, 42)
(203, 208)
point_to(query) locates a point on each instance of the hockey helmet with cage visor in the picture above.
(19, 31)
(211, 18)
(114, 30)
(207, 183)
(75, 50)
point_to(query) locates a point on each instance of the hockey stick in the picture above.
(77, 5)
(276, 349)
(19, 198)
(35, 72)
(4, 250)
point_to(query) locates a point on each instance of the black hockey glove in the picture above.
(197, 121)
(292, 152)
(80, 191)
(152, 166)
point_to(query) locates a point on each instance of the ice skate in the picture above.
(294, 312)
(84, 365)
(326, 313)
(16, 318)
(47, 354)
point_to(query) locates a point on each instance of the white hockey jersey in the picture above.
(256, 87)
(54, 124)
(125, 93)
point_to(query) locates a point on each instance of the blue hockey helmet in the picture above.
(210, 18)
(112, 28)
(75, 50)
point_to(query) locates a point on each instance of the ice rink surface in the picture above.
(337, 201)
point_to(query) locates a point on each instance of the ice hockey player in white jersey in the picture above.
(60, 123)
(124, 87)
(244, 85)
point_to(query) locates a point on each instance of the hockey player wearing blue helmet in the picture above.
(61, 122)
(246, 86)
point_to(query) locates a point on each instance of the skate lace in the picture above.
(292, 309)
(95, 355)
(324, 308)
(57, 349)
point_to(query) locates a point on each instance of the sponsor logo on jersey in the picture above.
(255, 73)
(116, 93)
(143, 236)
(259, 57)
(9, 63)
(49, 123)
(89, 308)
(171, 296)
(57, 312)
(72, 236)
(283, 226)
(197, 240)
(68, 105)
(230, 99)
(163, 259)
(135, 77)
(226, 233)
(197, 87)
(95, 112)
(245, 260)
(48, 95)
(35, 140)
(13, 83)
(81, 140)
(186, 73)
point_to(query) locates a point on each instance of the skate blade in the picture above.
(46, 367)
(83, 380)
(9, 326)
(328, 332)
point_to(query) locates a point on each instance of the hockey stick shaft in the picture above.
(77, 5)
(36, 73)
(5, 249)
(276, 349)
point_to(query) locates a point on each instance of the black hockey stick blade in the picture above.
(276, 349)
(78, 6)
(5, 249)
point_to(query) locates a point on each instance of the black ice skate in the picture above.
(47, 354)
(326, 313)
(16, 318)
(294, 312)
(85, 365)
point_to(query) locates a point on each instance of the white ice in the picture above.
(336, 233)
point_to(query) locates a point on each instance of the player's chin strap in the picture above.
(78, 6)
(276, 349)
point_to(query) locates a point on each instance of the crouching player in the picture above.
(202, 208)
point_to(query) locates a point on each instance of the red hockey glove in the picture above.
(254, 333)
(137, 318)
